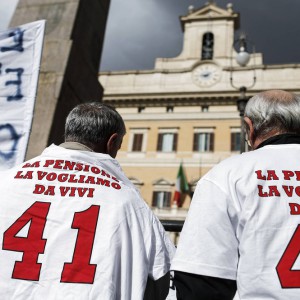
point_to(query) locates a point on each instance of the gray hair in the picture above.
(93, 123)
(274, 110)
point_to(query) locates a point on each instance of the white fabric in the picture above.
(234, 232)
(20, 56)
(129, 242)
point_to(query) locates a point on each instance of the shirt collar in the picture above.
(280, 139)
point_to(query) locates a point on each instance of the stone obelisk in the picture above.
(70, 62)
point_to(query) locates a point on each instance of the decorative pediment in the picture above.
(211, 12)
(162, 182)
(136, 181)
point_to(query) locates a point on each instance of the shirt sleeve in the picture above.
(208, 244)
(161, 251)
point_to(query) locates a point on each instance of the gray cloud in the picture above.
(138, 31)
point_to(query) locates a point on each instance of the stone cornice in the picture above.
(158, 71)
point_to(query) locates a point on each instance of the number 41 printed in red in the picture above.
(79, 270)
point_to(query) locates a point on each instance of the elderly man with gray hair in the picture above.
(242, 232)
(73, 226)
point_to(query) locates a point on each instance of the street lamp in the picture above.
(242, 58)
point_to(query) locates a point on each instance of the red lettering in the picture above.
(72, 193)
(90, 179)
(288, 190)
(273, 191)
(50, 190)
(101, 181)
(33, 165)
(297, 190)
(260, 191)
(287, 175)
(62, 177)
(79, 167)
(27, 165)
(39, 189)
(51, 176)
(41, 174)
(72, 178)
(28, 175)
(64, 190)
(81, 179)
(95, 170)
(69, 165)
(48, 163)
(81, 191)
(36, 164)
(272, 175)
(294, 208)
(259, 175)
(19, 175)
(91, 193)
(114, 178)
(103, 173)
(116, 186)
(58, 164)
(297, 175)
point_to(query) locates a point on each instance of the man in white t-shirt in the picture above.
(72, 226)
(242, 231)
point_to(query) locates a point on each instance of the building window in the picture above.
(167, 142)
(207, 46)
(203, 142)
(204, 108)
(161, 199)
(235, 141)
(138, 139)
(137, 142)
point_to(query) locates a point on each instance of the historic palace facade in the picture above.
(185, 109)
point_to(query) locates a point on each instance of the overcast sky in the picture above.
(138, 31)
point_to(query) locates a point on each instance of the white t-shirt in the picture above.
(72, 226)
(243, 224)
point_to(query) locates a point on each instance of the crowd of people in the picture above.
(73, 226)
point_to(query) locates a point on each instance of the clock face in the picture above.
(206, 75)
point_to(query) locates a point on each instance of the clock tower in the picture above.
(207, 46)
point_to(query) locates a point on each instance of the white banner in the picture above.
(20, 56)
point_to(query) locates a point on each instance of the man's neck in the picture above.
(75, 146)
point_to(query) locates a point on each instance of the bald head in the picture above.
(274, 112)
(277, 96)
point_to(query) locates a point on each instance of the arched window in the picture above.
(207, 46)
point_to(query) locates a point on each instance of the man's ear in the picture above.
(113, 145)
(251, 134)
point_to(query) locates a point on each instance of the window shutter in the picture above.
(168, 199)
(154, 199)
(159, 142)
(196, 142)
(175, 141)
(137, 142)
(212, 142)
(232, 141)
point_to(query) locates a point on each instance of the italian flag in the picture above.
(181, 187)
